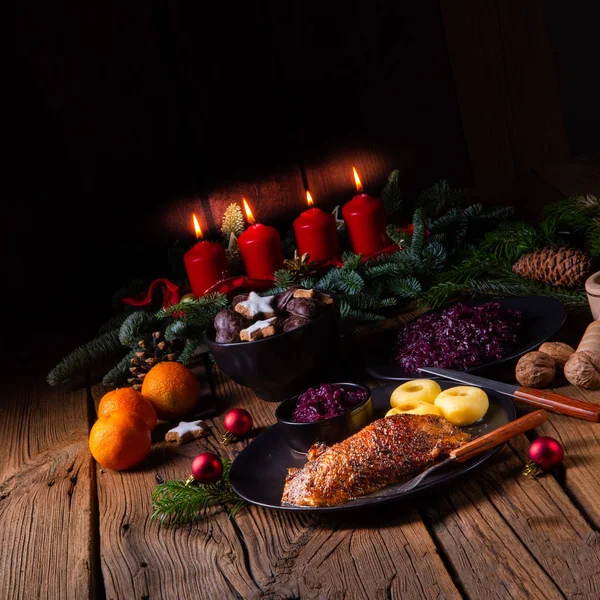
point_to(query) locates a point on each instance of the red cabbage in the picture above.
(459, 337)
(327, 401)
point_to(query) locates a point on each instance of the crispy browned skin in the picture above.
(387, 451)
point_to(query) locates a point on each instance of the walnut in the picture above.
(558, 351)
(583, 369)
(535, 369)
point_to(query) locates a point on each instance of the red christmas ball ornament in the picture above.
(207, 468)
(237, 422)
(544, 453)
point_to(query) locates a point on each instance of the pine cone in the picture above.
(151, 352)
(299, 266)
(562, 267)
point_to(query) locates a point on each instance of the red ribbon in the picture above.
(170, 294)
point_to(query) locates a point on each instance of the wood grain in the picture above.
(506, 86)
(575, 176)
(474, 40)
(582, 460)
(46, 492)
(369, 555)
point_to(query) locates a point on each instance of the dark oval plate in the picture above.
(258, 473)
(543, 317)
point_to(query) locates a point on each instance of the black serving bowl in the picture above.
(283, 364)
(301, 436)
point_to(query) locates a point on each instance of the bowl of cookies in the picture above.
(275, 345)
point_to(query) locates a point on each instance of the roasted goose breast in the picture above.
(387, 451)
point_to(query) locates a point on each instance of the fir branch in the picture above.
(392, 195)
(119, 373)
(113, 323)
(418, 236)
(283, 278)
(351, 260)
(213, 301)
(369, 302)
(408, 287)
(398, 236)
(439, 197)
(176, 329)
(86, 356)
(136, 327)
(349, 313)
(189, 350)
(510, 241)
(177, 502)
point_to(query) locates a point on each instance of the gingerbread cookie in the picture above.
(256, 306)
(304, 307)
(186, 432)
(293, 322)
(228, 325)
(260, 329)
(313, 295)
(285, 297)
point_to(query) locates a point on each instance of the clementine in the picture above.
(172, 388)
(130, 401)
(119, 441)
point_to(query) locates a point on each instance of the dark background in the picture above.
(125, 117)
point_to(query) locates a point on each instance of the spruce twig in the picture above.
(177, 502)
(86, 356)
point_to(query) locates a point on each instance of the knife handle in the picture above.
(498, 436)
(559, 404)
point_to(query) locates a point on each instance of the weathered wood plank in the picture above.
(474, 42)
(581, 441)
(142, 560)
(578, 175)
(536, 122)
(506, 86)
(488, 557)
(46, 492)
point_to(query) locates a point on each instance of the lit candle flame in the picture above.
(249, 214)
(197, 228)
(309, 199)
(359, 186)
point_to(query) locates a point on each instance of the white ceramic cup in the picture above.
(592, 288)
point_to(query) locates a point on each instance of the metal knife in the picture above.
(473, 448)
(539, 398)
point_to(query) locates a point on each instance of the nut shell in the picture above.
(583, 369)
(558, 351)
(535, 369)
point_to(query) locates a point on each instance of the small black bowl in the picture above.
(280, 365)
(301, 436)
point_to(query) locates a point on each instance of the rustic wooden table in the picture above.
(69, 529)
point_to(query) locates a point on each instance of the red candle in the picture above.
(316, 233)
(205, 263)
(260, 248)
(366, 222)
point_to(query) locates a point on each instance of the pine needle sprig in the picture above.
(113, 323)
(391, 195)
(119, 373)
(177, 502)
(86, 356)
(189, 349)
(136, 327)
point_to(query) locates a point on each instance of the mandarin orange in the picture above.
(119, 441)
(130, 401)
(172, 388)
